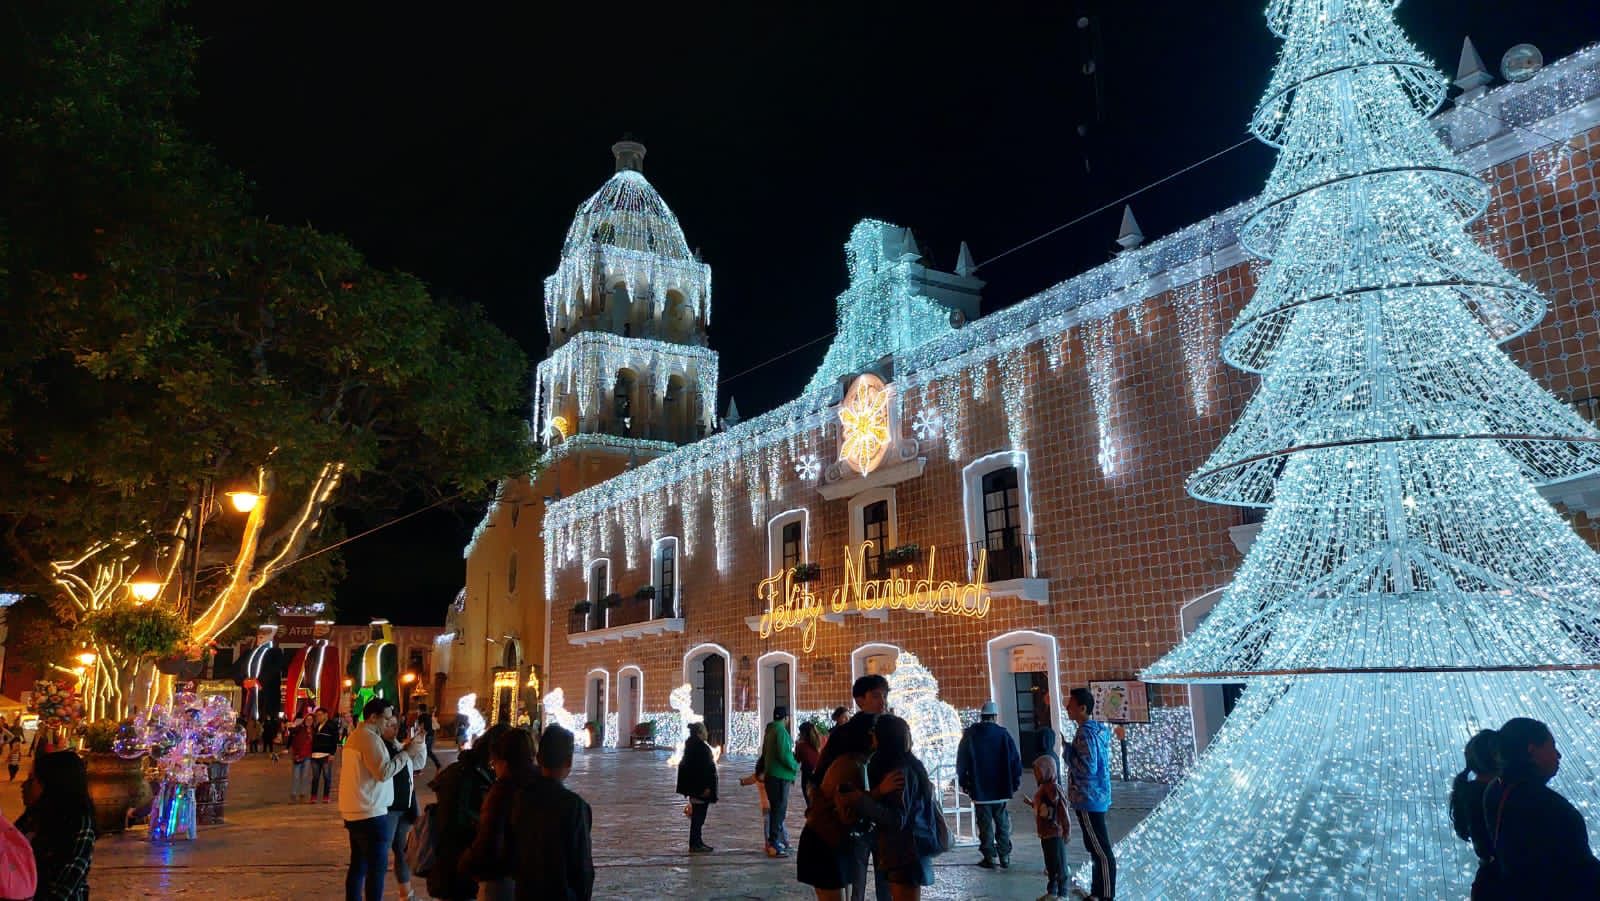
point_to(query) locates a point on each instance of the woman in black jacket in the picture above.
(697, 781)
(459, 792)
(1466, 812)
(1540, 840)
(403, 812)
(59, 823)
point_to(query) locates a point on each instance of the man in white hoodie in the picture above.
(366, 789)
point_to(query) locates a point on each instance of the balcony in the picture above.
(634, 617)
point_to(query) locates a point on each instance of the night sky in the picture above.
(455, 145)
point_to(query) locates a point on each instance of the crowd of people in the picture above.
(870, 803)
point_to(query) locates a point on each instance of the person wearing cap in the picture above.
(779, 769)
(989, 770)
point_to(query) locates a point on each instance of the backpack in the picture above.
(929, 832)
(422, 846)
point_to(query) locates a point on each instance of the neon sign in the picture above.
(794, 605)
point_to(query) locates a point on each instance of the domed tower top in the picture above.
(624, 238)
(627, 213)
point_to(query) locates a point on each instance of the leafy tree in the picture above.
(161, 340)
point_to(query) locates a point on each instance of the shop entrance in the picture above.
(1032, 699)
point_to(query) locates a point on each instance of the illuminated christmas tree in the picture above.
(1409, 585)
(935, 725)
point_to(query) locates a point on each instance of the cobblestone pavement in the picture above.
(270, 849)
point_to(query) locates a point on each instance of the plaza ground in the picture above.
(270, 849)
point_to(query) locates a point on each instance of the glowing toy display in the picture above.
(1409, 585)
(183, 740)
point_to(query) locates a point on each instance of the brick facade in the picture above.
(1120, 549)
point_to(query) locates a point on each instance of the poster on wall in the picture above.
(1121, 701)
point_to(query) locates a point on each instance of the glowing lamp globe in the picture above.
(243, 501)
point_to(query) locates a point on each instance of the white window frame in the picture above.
(677, 571)
(972, 504)
(697, 695)
(997, 652)
(860, 503)
(605, 698)
(588, 583)
(625, 732)
(766, 686)
(858, 657)
(775, 536)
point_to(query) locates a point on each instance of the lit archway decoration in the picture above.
(864, 416)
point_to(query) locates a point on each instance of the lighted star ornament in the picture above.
(864, 416)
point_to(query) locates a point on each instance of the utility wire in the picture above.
(1123, 199)
(382, 525)
(771, 360)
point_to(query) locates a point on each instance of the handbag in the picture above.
(929, 831)
(422, 846)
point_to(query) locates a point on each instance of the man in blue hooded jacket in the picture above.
(1089, 789)
(989, 770)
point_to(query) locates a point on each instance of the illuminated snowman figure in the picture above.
(681, 700)
(555, 711)
(467, 706)
(935, 725)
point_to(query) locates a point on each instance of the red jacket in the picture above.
(300, 741)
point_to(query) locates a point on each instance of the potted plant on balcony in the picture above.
(807, 572)
(902, 554)
(582, 607)
(611, 600)
(645, 592)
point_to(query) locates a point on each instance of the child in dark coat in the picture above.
(1053, 822)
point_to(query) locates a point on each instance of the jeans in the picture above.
(778, 798)
(1055, 864)
(400, 826)
(994, 829)
(300, 780)
(321, 769)
(697, 822)
(1098, 843)
(369, 857)
(865, 851)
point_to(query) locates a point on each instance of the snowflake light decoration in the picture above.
(865, 418)
(927, 424)
(808, 467)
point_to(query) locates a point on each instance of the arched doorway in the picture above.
(1025, 682)
(874, 659)
(630, 701)
(707, 668)
(775, 683)
(1209, 703)
(596, 703)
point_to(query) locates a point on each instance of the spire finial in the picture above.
(1471, 74)
(1129, 235)
(629, 154)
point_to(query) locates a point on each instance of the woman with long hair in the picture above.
(808, 753)
(697, 781)
(489, 859)
(59, 823)
(1540, 840)
(459, 792)
(898, 804)
(1466, 811)
(830, 848)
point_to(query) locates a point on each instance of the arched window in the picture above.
(998, 516)
(664, 574)
(622, 398)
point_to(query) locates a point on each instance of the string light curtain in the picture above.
(1409, 585)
